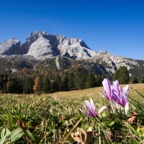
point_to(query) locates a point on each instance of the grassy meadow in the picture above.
(94, 92)
(57, 118)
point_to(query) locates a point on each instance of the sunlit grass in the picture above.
(52, 117)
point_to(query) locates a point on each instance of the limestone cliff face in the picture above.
(41, 45)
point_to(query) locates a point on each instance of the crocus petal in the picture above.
(107, 88)
(102, 109)
(119, 95)
(115, 96)
(92, 104)
(126, 90)
(83, 112)
(126, 107)
(108, 91)
(90, 108)
(120, 99)
(117, 87)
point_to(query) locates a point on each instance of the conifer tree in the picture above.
(71, 81)
(56, 84)
(122, 75)
(5, 83)
(133, 79)
(27, 85)
(12, 86)
(46, 86)
(64, 86)
(80, 78)
(98, 80)
(142, 80)
(90, 82)
(1, 81)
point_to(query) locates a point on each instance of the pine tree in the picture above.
(27, 85)
(142, 80)
(12, 86)
(98, 80)
(1, 81)
(46, 87)
(80, 78)
(56, 84)
(90, 82)
(71, 81)
(122, 75)
(64, 86)
(133, 79)
(5, 83)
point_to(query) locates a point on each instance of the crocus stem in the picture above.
(99, 135)
(112, 106)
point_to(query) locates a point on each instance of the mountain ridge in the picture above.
(48, 45)
(24, 47)
(40, 46)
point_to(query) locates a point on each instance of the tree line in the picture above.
(65, 81)
(48, 83)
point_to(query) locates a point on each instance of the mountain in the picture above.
(41, 45)
(114, 62)
(10, 47)
(60, 52)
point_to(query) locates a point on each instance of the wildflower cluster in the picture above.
(117, 96)
(114, 119)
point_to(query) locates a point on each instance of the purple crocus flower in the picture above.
(107, 88)
(90, 109)
(108, 91)
(119, 95)
(116, 93)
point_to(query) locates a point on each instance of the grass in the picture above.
(90, 93)
(95, 93)
(56, 117)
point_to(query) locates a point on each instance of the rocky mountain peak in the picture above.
(10, 47)
(35, 35)
(42, 45)
(14, 39)
(31, 38)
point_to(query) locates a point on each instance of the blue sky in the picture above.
(113, 25)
